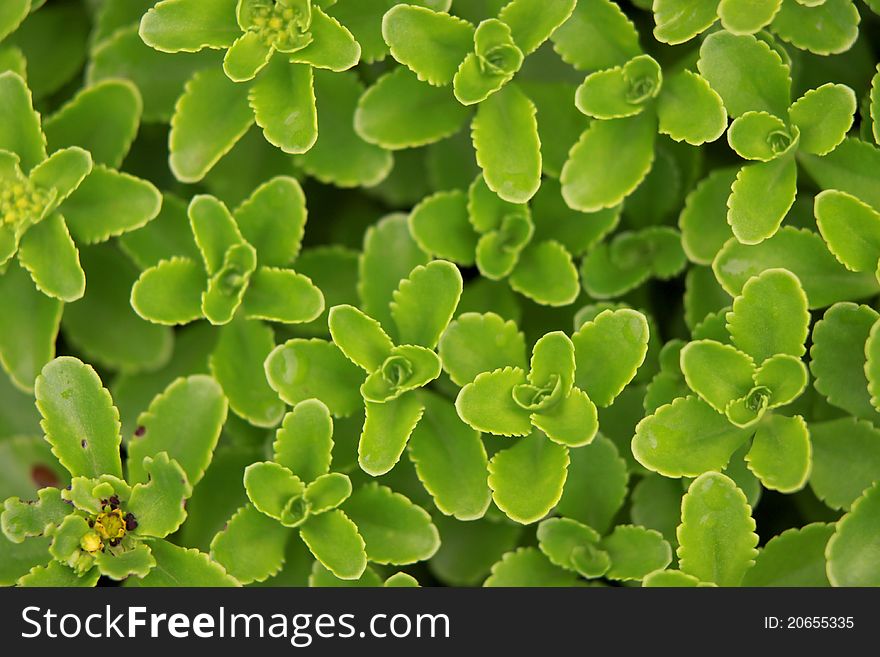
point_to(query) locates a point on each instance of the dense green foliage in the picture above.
(459, 292)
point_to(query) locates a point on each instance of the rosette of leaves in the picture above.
(740, 378)
(531, 247)
(549, 405)
(768, 129)
(272, 47)
(624, 262)
(479, 63)
(295, 492)
(824, 27)
(102, 523)
(48, 200)
(631, 103)
(240, 279)
(629, 553)
(422, 307)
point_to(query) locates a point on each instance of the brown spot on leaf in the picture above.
(43, 476)
(140, 431)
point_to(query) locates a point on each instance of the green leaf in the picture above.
(770, 316)
(824, 29)
(505, 135)
(170, 292)
(718, 373)
(620, 91)
(79, 418)
(785, 376)
(794, 558)
(27, 343)
(332, 47)
(672, 579)
(193, 407)
(704, 229)
(237, 364)
(48, 253)
(387, 429)
(214, 229)
(597, 484)
(334, 540)
(306, 369)
(190, 25)
(395, 530)
(838, 358)
(689, 110)
(360, 337)
(747, 16)
(526, 566)
(251, 546)
(138, 561)
(686, 438)
(573, 546)
(846, 460)
(276, 492)
(781, 453)
(201, 135)
(20, 132)
(365, 164)
(179, 566)
(25, 519)
(850, 227)
(228, 285)
(103, 326)
(852, 167)
(389, 256)
(527, 479)
(327, 492)
(304, 442)
(429, 43)
(824, 116)
(805, 255)
(425, 302)
(273, 220)
(246, 57)
(400, 111)
(102, 118)
(401, 580)
(716, 536)
(635, 552)
(450, 460)
(747, 73)
(487, 403)
(158, 505)
(678, 21)
(282, 295)
(532, 21)
(440, 226)
(320, 577)
(572, 422)
(55, 574)
(475, 343)
(754, 213)
(760, 136)
(11, 16)
(63, 171)
(608, 352)
(852, 551)
(469, 549)
(598, 35)
(283, 100)
(546, 274)
(609, 161)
